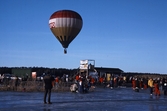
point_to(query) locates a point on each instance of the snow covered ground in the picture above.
(101, 99)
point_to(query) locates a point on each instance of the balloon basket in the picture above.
(65, 51)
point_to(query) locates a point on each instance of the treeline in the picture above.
(61, 71)
(146, 74)
(40, 70)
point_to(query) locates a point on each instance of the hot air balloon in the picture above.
(65, 25)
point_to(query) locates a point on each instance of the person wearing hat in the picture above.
(48, 80)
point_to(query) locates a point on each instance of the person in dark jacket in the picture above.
(137, 85)
(48, 80)
(165, 87)
(16, 83)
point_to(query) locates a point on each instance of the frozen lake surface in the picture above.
(101, 99)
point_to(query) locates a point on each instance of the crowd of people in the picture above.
(157, 86)
(83, 83)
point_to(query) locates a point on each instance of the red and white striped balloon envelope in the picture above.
(65, 25)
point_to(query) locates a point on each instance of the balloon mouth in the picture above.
(65, 45)
(65, 51)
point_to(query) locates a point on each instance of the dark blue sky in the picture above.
(126, 34)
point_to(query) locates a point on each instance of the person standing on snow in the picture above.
(151, 85)
(156, 88)
(165, 87)
(48, 80)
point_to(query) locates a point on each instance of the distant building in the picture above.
(22, 72)
(102, 70)
(108, 72)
